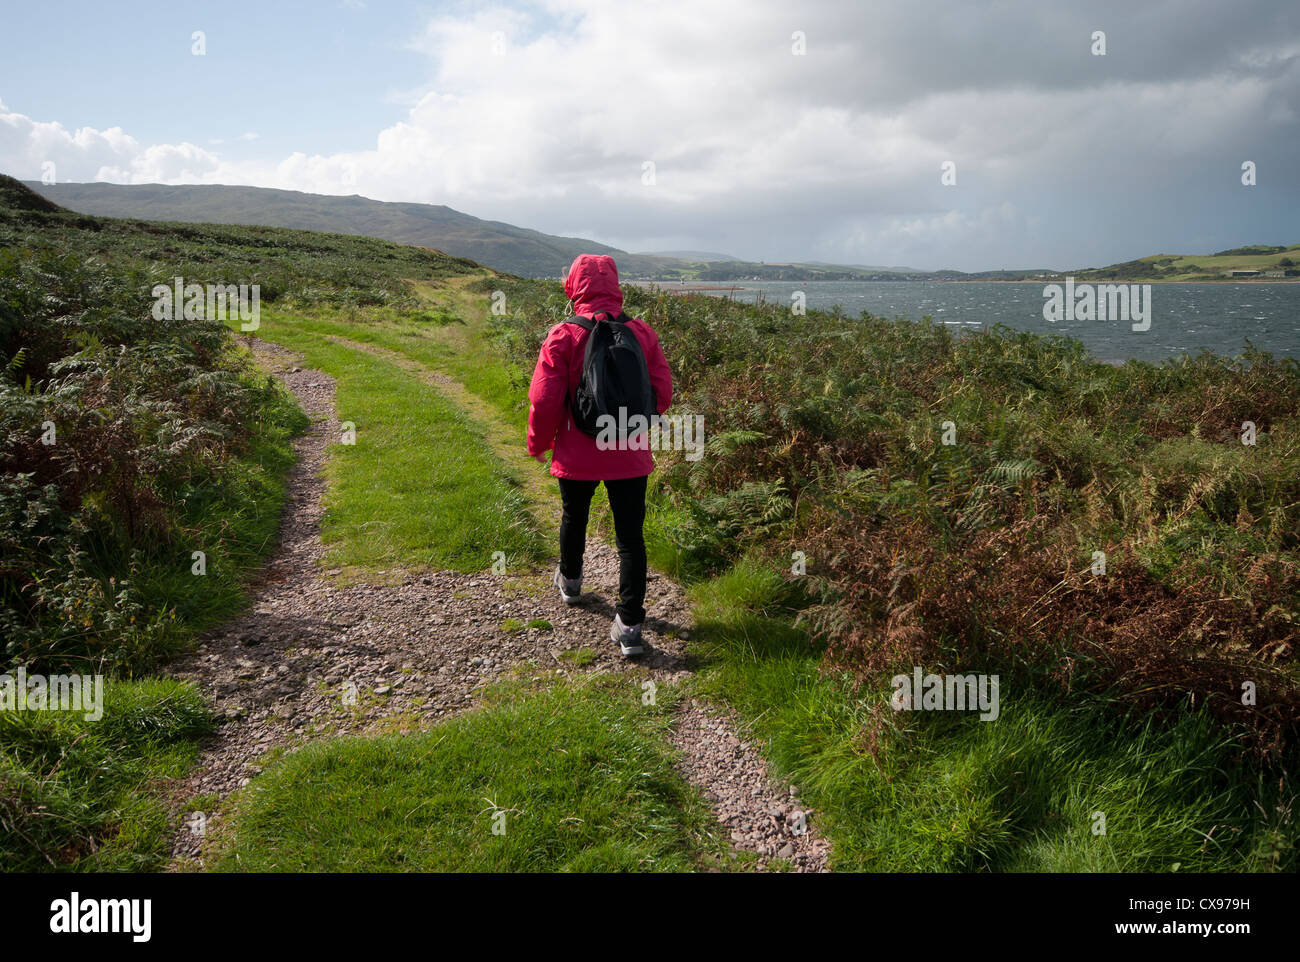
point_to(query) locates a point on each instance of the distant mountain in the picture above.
(705, 256)
(532, 253)
(503, 246)
(866, 268)
(814, 267)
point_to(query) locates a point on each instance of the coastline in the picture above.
(739, 286)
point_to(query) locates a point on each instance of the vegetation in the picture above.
(944, 791)
(1044, 433)
(127, 443)
(572, 777)
(826, 439)
(446, 502)
(301, 267)
(167, 442)
(505, 247)
(826, 436)
(78, 795)
(1252, 250)
(1196, 267)
(1121, 688)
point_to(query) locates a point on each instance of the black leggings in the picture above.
(627, 502)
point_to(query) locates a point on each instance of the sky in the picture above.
(927, 133)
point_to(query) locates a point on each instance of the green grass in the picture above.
(581, 772)
(823, 437)
(943, 791)
(234, 520)
(466, 349)
(950, 794)
(80, 795)
(510, 248)
(420, 486)
(342, 270)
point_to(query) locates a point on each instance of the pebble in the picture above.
(733, 777)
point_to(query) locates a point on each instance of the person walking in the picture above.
(559, 421)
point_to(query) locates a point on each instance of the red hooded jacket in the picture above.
(592, 285)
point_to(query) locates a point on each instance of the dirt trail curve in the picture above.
(419, 650)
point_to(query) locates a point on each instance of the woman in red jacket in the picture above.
(592, 286)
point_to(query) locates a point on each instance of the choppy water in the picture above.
(1184, 317)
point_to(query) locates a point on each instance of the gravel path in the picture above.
(733, 777)
(313, 657)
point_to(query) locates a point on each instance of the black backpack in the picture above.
(614, 377)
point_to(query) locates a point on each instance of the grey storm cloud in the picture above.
(1062, 158)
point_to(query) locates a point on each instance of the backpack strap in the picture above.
(589, 323)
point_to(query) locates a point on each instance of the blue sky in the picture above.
(314, 77)
(546, 113)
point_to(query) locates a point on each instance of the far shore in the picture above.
(696, 287)
(740, 286)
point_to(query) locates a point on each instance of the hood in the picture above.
(592, 285)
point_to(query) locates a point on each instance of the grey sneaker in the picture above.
(628, 639)
(570, 588)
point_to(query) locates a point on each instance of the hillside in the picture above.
(1202, 267)
(501, 246)
(517, 250)
(14, 196)
(705, 256)
(531, 253)
(317, 267)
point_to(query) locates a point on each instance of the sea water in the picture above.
(1185, 318)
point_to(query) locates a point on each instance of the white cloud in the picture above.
(545, 116)
(26, 144)
(163, 164)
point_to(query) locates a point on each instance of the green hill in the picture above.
(318, 267)
(15, 196)
(1201, 267)
(518, 250)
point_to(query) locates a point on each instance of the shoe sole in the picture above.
(567, 599)
(627, 650)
